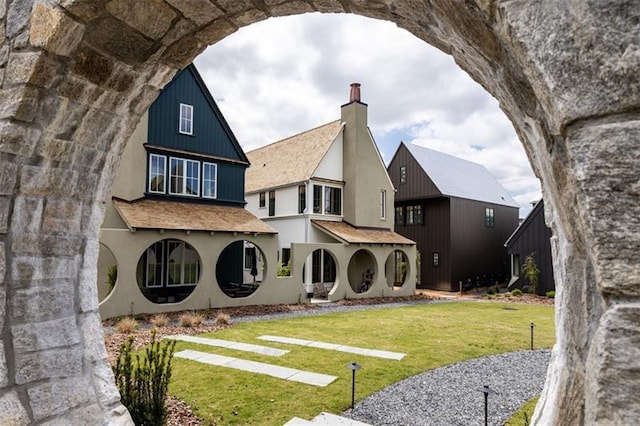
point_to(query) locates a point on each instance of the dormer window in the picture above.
(157, 171)
(209, 179)
(186, 119)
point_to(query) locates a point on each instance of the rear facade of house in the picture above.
(457, 214)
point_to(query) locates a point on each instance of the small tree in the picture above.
(112, 276)
(531, 273)
(143, 383)
(284, 270)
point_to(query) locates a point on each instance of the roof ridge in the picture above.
(294, 136)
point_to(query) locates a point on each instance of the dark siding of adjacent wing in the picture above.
(533, 237)
(418, 184)
(478, 252)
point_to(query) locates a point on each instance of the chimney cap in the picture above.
(354, 94)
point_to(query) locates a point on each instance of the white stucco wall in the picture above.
(331, 165)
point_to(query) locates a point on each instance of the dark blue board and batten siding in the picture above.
(211, 133)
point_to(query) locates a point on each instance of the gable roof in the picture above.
(521, 229)
(460, 178)
(290, 160)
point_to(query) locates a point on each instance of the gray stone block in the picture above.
(49, 364)
(43, 302)
(12, 411)
(45, 335)
(55, 398)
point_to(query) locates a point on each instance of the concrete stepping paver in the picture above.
(335, 347)
(325, 419)
(285, 373)
(239, 346)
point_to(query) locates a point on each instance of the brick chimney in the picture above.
(354, 95)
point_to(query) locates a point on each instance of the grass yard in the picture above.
(432, 335)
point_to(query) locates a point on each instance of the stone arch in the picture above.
(77, 75)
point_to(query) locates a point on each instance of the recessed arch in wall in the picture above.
(397, 269)
(107, 272)
(362, 271)
(240, 268)
(319, 274)
(168, 271)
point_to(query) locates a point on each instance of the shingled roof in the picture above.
(460, 178)
(156, 214)
(350, 234)
(290, 160)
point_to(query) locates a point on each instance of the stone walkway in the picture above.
(285, 373)
(335, 347)
(228, 344)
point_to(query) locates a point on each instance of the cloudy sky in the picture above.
(285, 75)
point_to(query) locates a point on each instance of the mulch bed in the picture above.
(179, 412)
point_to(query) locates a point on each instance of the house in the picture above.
(176, 234)
(458, 214)
(327, 194)
(532, 238)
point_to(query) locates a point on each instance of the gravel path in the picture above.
(451, 395)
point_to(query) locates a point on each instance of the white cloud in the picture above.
(285, 75)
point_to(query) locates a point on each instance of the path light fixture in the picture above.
(532, 325)
(486, 390)
(353, 366)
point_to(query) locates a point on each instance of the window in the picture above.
(403, 174)
(157, 171)
(414, 215)
(332, 200)
(262, 203)
(489, 217)
(399, 220)
(154, 265)
(250, 256)
(209, 180)
(286, 256)
(182, 264)
(317, 198)
(186, 119)
(302, 198)
(383, 204)
(515, 265)
(184, 177)
(436, 259)
(272, 203)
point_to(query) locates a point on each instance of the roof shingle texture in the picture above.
(353, 235)
(155, 214)
(290, 160)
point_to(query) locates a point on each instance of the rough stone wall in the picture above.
(75, 76)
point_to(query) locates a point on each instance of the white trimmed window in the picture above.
(184, 177)
(383, 204)
(182, 264)
(153, 263)
(209, 180)
(186, 119)
(157, 172)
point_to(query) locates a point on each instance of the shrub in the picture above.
(531, 273)
(491, 291)
(159, 320)
(112, 276)
(143, 382)
(223, 318)
(284, 270)
(508, 295)
(551, 294)
(126, 325)
(190, 319)
(517, 292)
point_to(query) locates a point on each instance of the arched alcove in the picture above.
(79, 74)
(362, 271)
(397, 269)
(240, 269)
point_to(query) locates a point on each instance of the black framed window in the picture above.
(262, 203)
(435, 259)
(403, 174)
(317, 198)
(302, 198)
(332, 200)
(489, 217)
(272, 203)
(399, 219)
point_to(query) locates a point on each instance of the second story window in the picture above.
(272, 203)
(399, 219)
(157, 171)
(302, 198)
(414, 215)
(262, 203)
(489, 217)
(186, 119)
(184, 177)
(317, 198)
(209, 180)
(403, 174)
(383, 204)
(332, 200)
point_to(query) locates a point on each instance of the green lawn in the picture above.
(432, 335)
